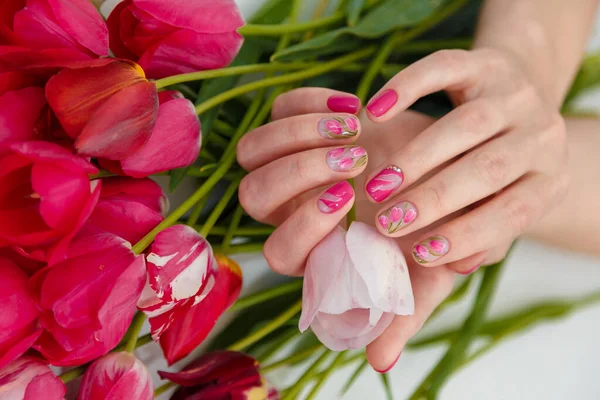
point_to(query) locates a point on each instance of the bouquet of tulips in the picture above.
(96, 99)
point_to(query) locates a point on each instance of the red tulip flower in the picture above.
(87, 301)
(187, 290)
(113, 113)
(129, 208)
(116, 376)
(30, 379)
(178, 36)
(220, 375)
(18, 328)
(45, 193)
(49, 34)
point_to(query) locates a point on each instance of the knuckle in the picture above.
(518, 216)
(302, 166)
(274, 259)
(435, 194)
(451, 58)
(247, 194)
(491, 167)
(243, 151)
(474, 116)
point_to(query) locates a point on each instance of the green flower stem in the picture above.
(197, 211)
(359, 370)
(274, 324)
(337, 361)
(240, 248)
(285, 79)
(226, 162)
(240, 231)
(268, 294)
(163, 388)
(373, 69)
(220, 207)
(218, 141)
(286, 38)
(142, 340)
(72, 374)
(223, 128)
(277, 344)
(457, 351)
(136, 327)
(293, 392)
(206, 155)
(284, 29)
(297, 357)
(232, 228)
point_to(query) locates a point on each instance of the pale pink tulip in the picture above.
(29, 378)
(116, 376)
(334, 127)
(396, 214)
(354, 284)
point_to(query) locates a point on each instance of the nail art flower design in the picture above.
(384, 183)
(335, 197)
(431, 249)
(346, 158)
(338, 127)
(398, 217)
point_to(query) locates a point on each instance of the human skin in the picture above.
(479, 177)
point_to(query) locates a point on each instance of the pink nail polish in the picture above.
(346, 158)
(382, 103)
(338, 127)
(470, 271)
(347, 104)
(335, 197)
(392, 365)
(398, 216)
(384, 183)
(431, 249)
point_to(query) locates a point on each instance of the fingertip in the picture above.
(382, 360)
(381, 104)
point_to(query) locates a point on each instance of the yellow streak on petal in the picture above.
(226, 262)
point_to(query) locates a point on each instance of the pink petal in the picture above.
(437, 246)
(384, 221)
(174, 143)
(121, 125)
(29, 378)
(205, 16)
(410, 215)
(382, 266)
(19, 111)
(396, 214)
(333, 127)
(187, 51)
(358, 152)
(351, 123)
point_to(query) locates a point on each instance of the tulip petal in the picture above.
(121, 23)
(319, 281)
(175, 141)
(19, 112)
(15, 80)
(29, 378)
(121, 125)
(205, 16)
(76, 94)
(188, 51)
(382, 267)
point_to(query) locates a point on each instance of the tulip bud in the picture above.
(187, 290)
(116, 376)
(88, 300)
(20, 111)
(175, 37)
(354, 284)
(18, 329)
(129, 208)
(221, 375)
(30, 379)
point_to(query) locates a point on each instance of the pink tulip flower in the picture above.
(29, 378)
(355, 282)
(88, 300)
(44, 35)
(45, 193)
(116, 376)
(221, 375)
(177, 36)
(18, 320)
(187, 290)
(129, 208)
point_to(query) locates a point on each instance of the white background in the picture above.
(554, 361)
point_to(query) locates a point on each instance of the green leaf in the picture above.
(249, 54)
(383, 19)
(272, 12)
(359, 370)
(353, 8)
(587, 77)
(386, 386)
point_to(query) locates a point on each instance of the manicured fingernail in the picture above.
(392, 365)
(335, 197)
(384, 183)
(338, 127)
(470, 271)
(398, 216)
(346, 158)
(347, 104)
(382, 103)
(431, 249)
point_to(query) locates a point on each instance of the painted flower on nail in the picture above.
(338, 127)
(431, 249)
(346, 158)
(398, 217)
(335, 197)
(384, 183)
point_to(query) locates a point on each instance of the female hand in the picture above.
(505, 151)
(292, 185)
